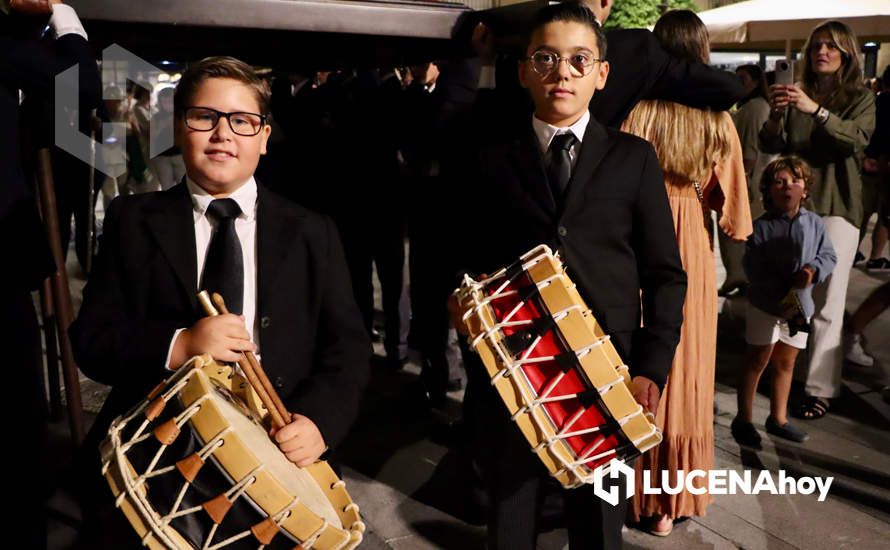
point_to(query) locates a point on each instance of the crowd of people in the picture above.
(286, 193)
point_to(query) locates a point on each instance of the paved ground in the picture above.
(406, 467)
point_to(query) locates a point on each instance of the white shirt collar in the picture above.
(245, 196)
(545, 131)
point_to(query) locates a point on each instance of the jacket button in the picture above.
(265, 322)
(562, 231)
(279, 382)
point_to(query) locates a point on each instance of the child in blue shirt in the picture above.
(787, 254)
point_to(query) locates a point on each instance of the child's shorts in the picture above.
(763, 329)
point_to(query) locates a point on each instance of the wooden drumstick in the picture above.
(278, 420)
(255, 364)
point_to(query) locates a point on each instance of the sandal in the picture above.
(786, 430)
(661, 533)
(812, 408)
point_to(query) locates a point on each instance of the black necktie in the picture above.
(224, 268)
(560, 171)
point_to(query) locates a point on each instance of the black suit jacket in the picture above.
(615, 233)
(313, 344)
(31, 65)
(639, 68)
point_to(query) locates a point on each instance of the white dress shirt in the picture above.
(546, 132)
(245, 228)
(64, 21)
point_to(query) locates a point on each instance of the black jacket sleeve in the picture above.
(639, 68)
(111, 345)
(331, 395)
(662, 278)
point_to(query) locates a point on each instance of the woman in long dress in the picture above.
(701, 158)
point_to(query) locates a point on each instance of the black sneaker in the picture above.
(745, 433)
(878, 265)
(860, 257)
(787, 430)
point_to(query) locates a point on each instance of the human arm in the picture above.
(331, 393)
(661, 275)
(848, 135)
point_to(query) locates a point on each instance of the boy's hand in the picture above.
(646, 393)
(223, 336)
(804, 277)
(300, 441)
(456, 315)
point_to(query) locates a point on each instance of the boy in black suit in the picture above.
(598, 195)
(279, 266)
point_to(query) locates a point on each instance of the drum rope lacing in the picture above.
(509, 366)
(158, 523)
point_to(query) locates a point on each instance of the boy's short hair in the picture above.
(219, 67)
(794, 165)
(572, 11)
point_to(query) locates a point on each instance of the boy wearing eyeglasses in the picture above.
(598, 196)
(279, 267)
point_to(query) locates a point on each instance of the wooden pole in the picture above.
(61, 294)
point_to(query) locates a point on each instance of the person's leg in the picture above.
(870, 201)
(512, 519)
(756, 360)
(826, 351)
(871, 307)
(591, 521)
(761, 332)
(731, 253)
(358, 260)
(879, 236)
(390, 262)
(782, 360)
(874, 305)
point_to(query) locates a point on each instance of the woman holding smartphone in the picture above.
(827, 119)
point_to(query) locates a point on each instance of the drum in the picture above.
(555, 368)
(192, 466)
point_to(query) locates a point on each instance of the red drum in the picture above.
(555, 368)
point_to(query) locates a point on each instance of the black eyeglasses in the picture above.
(205, 119)
(545, 62)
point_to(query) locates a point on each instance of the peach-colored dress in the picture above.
(685, 412)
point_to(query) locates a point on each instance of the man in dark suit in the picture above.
(29, 64)
(598, 195)
(641, 70)
(278, 265)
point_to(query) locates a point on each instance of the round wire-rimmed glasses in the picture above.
(544, 62)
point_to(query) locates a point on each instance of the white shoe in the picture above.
(856, 354)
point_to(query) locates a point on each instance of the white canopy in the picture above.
(763, 24)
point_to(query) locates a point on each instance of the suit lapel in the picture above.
(276, 229)
(594, 147)
(525, 154)
(172, 223)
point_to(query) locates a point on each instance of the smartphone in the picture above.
(784, 72)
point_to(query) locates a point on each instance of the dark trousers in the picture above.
(74, 198)
(26, 429)
(383, 244)
(515, 479)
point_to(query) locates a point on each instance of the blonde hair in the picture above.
(688, 142)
